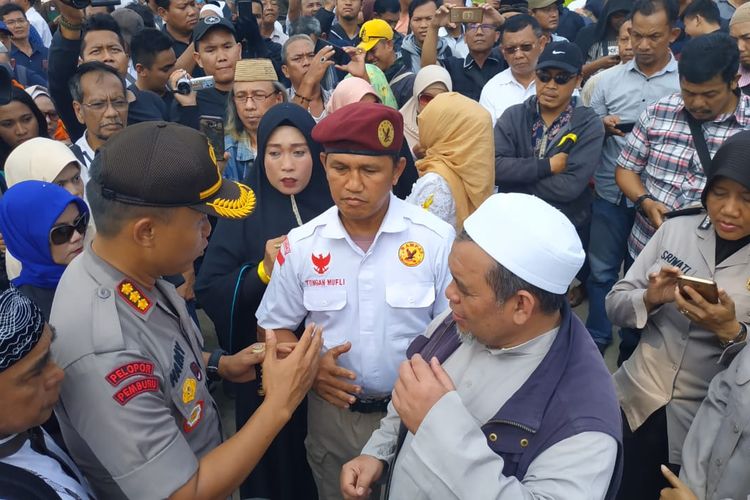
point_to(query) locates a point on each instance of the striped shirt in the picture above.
(662, 151)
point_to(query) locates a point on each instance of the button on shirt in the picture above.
(662, 151)
(504, 91)
(378, 300)
(578, 467)
(624, 91)
(135, 410)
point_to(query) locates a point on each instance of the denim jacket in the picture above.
(241, 158)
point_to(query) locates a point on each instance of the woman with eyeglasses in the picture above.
(44, 227)
(429, 82)
(20, 120)
(256, 89)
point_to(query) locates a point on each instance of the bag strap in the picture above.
(699, 140)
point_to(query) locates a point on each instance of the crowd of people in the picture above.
(389, 216)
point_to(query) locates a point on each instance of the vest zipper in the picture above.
(514, 424)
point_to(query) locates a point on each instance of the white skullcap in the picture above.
(214, 9)
(528, 237)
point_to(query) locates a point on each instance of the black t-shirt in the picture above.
(211, 102)
(468, 78)
(147, 106)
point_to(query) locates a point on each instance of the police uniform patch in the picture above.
(411, 254)
(147, 384)
(196, 414)
(134, 296)
(145, 368)
(386, 134)
(188, 390)
(320, 262)
(178, 359)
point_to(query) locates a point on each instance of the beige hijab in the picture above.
(456, 133)
(427, 76)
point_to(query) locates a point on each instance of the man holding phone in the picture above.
(471, 73)
(622, 93)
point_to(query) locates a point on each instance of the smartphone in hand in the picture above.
(213, 128)
(705, 287)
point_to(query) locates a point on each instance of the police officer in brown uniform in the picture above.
(135, 409)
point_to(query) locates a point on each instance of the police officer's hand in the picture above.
(610, 122)
(183, 100)
(678, 491)
(329, 384)
(286, 382)
(718, 318)
(655, 211)
(661, 287)
(272, 249)
(418, 388)
(358, 475)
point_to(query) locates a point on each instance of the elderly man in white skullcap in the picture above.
(506, 395)
(31, 463)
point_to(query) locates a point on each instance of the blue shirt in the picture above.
(624, 91)
(37, 62)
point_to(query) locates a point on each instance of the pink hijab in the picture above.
(349, 91)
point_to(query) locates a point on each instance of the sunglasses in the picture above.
(526, 47)
(560, 78)
(62, 233)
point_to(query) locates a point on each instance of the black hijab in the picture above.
(228, 286)
(730, 161)
(597, 32)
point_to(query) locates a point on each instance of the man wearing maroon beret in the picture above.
(371, 271)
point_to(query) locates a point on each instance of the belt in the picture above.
(370, 405)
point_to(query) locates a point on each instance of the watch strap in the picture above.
(212, 367)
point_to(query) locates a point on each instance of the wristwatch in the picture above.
(741, 337)
(639, 202)
(212, 368)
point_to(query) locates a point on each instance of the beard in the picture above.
(465, 337)
(349, 18)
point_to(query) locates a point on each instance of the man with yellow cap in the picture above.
(135, 408)
(377, 40)
(505, 396)
(371, 271)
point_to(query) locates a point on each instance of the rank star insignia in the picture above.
(133, 296)
(188, 390)
(411, 254)
(386, 133)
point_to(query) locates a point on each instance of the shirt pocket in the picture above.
(325, 305)
(409, 308)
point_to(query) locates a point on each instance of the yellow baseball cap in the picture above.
(372, 32)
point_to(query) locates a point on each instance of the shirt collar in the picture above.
(393, 222)
(671, 67)
(469, 60)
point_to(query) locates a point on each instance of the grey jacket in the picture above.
(717, 448)
(518, 170)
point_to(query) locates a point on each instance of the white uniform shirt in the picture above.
(504, 91)
(448, 458)
(378, 300)
(49, 469)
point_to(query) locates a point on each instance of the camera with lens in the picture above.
(186, 84)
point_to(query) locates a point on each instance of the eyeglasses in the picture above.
(424, 98)
(62, 234)
(257, 97)
(560, 78)
(99, 106)
(51, 115)
(524, 47)
(14, 22)
(484, 27)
